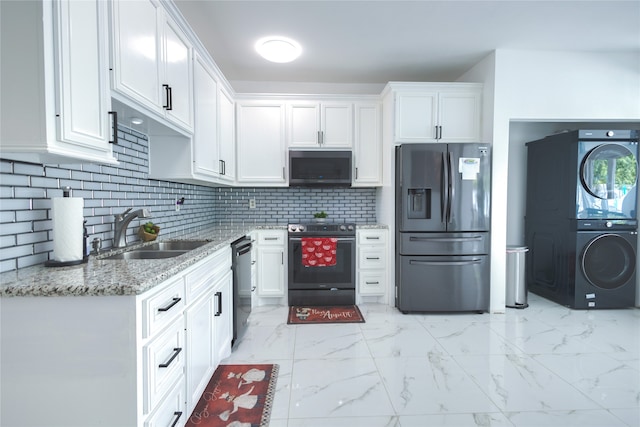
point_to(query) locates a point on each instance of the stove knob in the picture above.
(301, 228)
(343, 228)
(608, 224)
(610, 133)
(351, 228)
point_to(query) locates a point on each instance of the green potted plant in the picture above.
(320, 216)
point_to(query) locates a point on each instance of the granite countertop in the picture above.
(101, 276)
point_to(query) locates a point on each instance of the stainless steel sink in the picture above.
(175, 245)
(160, 250)
(140, 254)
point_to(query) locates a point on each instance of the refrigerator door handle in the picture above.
(451, 190)
(443, 190)
(450, 263)
(445, 239)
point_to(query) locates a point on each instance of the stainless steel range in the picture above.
(329, 279)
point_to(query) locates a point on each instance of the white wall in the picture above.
(544, 86)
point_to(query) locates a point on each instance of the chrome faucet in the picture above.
(121, 222)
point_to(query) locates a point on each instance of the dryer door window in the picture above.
(608, 261)
(608, 175)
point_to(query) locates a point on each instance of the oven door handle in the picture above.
(340, 239)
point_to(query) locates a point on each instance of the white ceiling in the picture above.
(375, 42)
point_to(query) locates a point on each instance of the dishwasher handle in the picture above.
(241, 250)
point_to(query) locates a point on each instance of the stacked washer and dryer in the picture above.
(581, 218)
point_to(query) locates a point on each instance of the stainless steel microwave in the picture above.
(320, 168)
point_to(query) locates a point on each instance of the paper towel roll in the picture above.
(68, 228)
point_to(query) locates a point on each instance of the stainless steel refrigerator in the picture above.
(443, 200)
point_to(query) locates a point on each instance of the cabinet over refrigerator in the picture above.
(442, 227)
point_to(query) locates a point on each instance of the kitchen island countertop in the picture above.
(101, 276)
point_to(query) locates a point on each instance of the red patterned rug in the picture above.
(333, 314)
(237, 395)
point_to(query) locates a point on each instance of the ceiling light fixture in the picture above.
(136, 120)
(278, 49)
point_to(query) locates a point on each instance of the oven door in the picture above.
(340, 276)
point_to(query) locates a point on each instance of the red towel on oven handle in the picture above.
(319, 251)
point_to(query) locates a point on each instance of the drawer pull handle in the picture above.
(373, 257)
(373, 238)
(271, 238)
(174, 301)
(219, 310)
(176, 352)
(178, 415)
(373, 283)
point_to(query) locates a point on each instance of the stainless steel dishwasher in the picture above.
(241, 266)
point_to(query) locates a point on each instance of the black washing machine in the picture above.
(581, 219)
(605, 269)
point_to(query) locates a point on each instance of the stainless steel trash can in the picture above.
(516, 285)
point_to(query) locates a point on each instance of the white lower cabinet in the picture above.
(271, 263)
(147, 358)
(172, 411)
(163, 364)
(208, 321)
(200, 340)
(372, 262)
(223, 317)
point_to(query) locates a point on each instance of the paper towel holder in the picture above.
(85, 258)
(66, 192)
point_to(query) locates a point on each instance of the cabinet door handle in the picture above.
(168, 95)
(114, 127)
(320, 137)
(219, 310)
(283, 174)
(224, 167)
(174, 301)
(221, 167)
(176, 352)
(176, 414)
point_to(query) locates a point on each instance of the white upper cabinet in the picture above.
(177, 75)
(206, 157)
(261, 146)
(54, 82)
(151, 61)
(367, 148)
(447, 112)
(226, 136)
(320, 125)
(206, 161)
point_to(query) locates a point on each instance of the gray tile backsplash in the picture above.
(26, 190)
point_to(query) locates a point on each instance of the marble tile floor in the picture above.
(546, 365)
